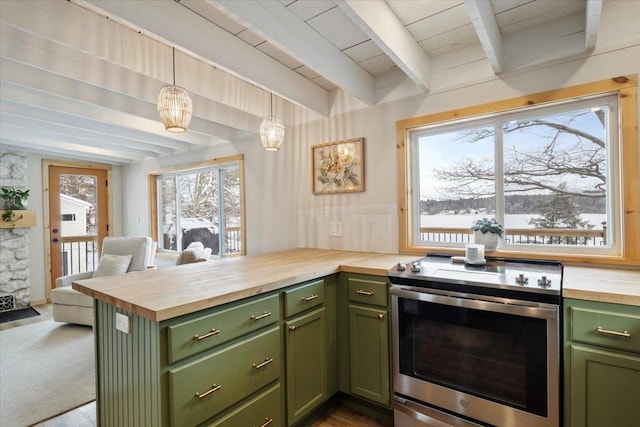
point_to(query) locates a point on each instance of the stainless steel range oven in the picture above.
(476, 344)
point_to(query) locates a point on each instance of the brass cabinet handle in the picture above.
(267, 421)
(624, 334)
(380, 316)
(207, 335)
(261, 316)
(311, 298)
(292, 328)
(267, 360)
(213, 389)
(365, 293)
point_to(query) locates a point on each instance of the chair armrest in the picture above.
(68, 280)
(204, 255)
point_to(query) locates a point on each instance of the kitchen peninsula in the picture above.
(217, 343)
(227, 343)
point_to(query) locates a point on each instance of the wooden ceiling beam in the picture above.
(486, 26)
(381, 24)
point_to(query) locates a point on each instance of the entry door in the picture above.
(78, 216)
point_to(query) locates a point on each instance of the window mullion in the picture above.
(499, 171)
(222, 220)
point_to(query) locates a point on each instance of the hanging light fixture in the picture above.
(174, 105)
(271, 131)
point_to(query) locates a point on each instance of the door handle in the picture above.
(55, 240)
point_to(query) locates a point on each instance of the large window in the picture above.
(202, 204)
(551, 173)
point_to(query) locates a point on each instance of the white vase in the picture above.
(489, 240)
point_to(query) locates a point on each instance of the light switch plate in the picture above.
(335, 228)
(122, 323)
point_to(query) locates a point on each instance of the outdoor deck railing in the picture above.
(79, 254)
(233, 239)
(555, 236)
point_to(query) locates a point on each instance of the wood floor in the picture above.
(85, 416)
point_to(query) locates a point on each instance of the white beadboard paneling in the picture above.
(370, 228)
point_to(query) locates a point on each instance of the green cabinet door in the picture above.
(605, 388)
(369, 353)
(306, 364)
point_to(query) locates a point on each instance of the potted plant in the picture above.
(14, 200)
(487, 232)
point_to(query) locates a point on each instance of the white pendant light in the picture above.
(174, 105)
(271, 131)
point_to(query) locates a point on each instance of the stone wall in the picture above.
(14, 242)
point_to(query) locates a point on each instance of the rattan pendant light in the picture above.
(174, 105)
(271, 131)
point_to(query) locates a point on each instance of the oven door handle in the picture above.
(476, 302)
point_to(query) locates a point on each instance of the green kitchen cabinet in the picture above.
(215, 366)
(365, 354)
(369, 353)
(602, 364)
(306, 363)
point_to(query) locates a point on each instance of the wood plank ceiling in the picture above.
(79, 79)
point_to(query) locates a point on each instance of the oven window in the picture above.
(495, 356)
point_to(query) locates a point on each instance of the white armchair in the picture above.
(69, 305)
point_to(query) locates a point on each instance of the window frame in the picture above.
(628, 175)
(220, 163)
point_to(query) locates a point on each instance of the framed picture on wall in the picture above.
(338, 167)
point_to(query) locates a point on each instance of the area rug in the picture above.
(23, 313)
(46, 368)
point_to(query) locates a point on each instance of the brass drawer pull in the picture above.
(267, 421)
(365, 293)
(380, 316)
(207, 335)
(261, 316)
(213, 389)
(624, 334)
(267, 360)
(311, 298)
(292, 328)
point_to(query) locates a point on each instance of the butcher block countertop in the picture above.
(171, 292)
(614, 285)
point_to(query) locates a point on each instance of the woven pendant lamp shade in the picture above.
(271, 133)
(175, 108)
(174, 105)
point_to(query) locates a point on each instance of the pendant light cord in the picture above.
(174, 66)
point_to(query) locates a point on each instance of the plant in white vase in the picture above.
(487, 232)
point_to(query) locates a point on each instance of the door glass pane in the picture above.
(199, 209)
(78, 223)
(232, 212)
(168, 213)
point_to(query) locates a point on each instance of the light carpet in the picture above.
(46, 368)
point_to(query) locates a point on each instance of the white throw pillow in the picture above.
(111, 265)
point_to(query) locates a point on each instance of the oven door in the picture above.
(484, 358)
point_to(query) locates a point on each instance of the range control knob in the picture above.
(415, 267)
(543, 282)
(521, 280)
(401, 266)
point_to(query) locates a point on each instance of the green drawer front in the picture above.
(264, 410)
(234, 373)
(220, 327)
(304, 297)
(585, 323)
(365, 291)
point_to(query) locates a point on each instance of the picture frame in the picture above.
(338, 167)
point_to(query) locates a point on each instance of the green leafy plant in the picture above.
(13, 200)
(486, 225)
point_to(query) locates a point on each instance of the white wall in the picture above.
(282, 212)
